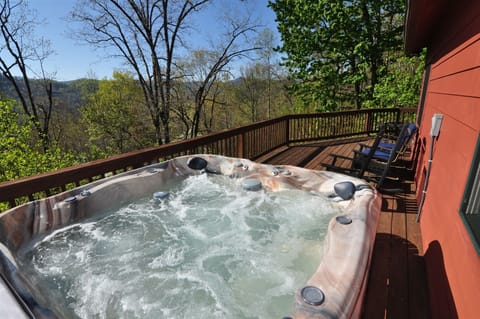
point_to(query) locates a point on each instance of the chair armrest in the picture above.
(359, 153)
(363, 146)
(338, 156)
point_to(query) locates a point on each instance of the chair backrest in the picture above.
(393, 155)
(371, 151)
(401, 141)
(407, 136)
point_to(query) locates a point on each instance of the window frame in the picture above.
(473, 184)
(423, 96)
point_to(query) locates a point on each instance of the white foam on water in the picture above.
(171, 257)
(211, 250)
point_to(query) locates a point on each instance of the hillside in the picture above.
(66, 93)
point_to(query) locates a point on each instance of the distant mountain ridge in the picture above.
(66, 94)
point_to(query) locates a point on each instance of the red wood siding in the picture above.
(453, 265)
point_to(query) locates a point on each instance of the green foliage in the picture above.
(20, 156)
(252, 92)
(115, 117)
(400, 87)
(336, 50)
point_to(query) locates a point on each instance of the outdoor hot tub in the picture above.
(196, 236)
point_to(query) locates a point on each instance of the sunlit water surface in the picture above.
(211, 250)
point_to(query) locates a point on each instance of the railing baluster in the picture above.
(249, 141)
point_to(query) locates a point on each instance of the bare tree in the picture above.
(207, 66)
(266, 41)
(252, 90)
(19, 50)
(146, 34)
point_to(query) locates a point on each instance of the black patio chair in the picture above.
(389, 141)
(373, 159)
(379, 169)
(359, 163)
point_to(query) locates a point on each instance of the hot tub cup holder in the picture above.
(312, 295)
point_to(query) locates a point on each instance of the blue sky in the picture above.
(72, 60)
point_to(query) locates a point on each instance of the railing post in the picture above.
(287, 130)
(241, 145)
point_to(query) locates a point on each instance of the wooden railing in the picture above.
(250, 141)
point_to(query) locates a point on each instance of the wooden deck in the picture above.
(397, 286)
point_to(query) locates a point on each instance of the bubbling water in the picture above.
(210, 250)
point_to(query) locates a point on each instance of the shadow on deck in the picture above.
(397, 284)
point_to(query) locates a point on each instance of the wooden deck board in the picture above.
(397, 280)
(297, 156)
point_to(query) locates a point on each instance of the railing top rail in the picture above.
(82, 171)
(74, 174)
(361, 111)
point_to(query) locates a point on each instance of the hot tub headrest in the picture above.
(345, 190)
(197, 163)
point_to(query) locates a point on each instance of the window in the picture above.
(421, 104)
(470, 209)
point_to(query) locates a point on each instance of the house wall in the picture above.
(452, 263)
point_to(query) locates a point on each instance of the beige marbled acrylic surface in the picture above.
(341, 275)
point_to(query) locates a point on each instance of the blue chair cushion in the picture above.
(379, 154)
